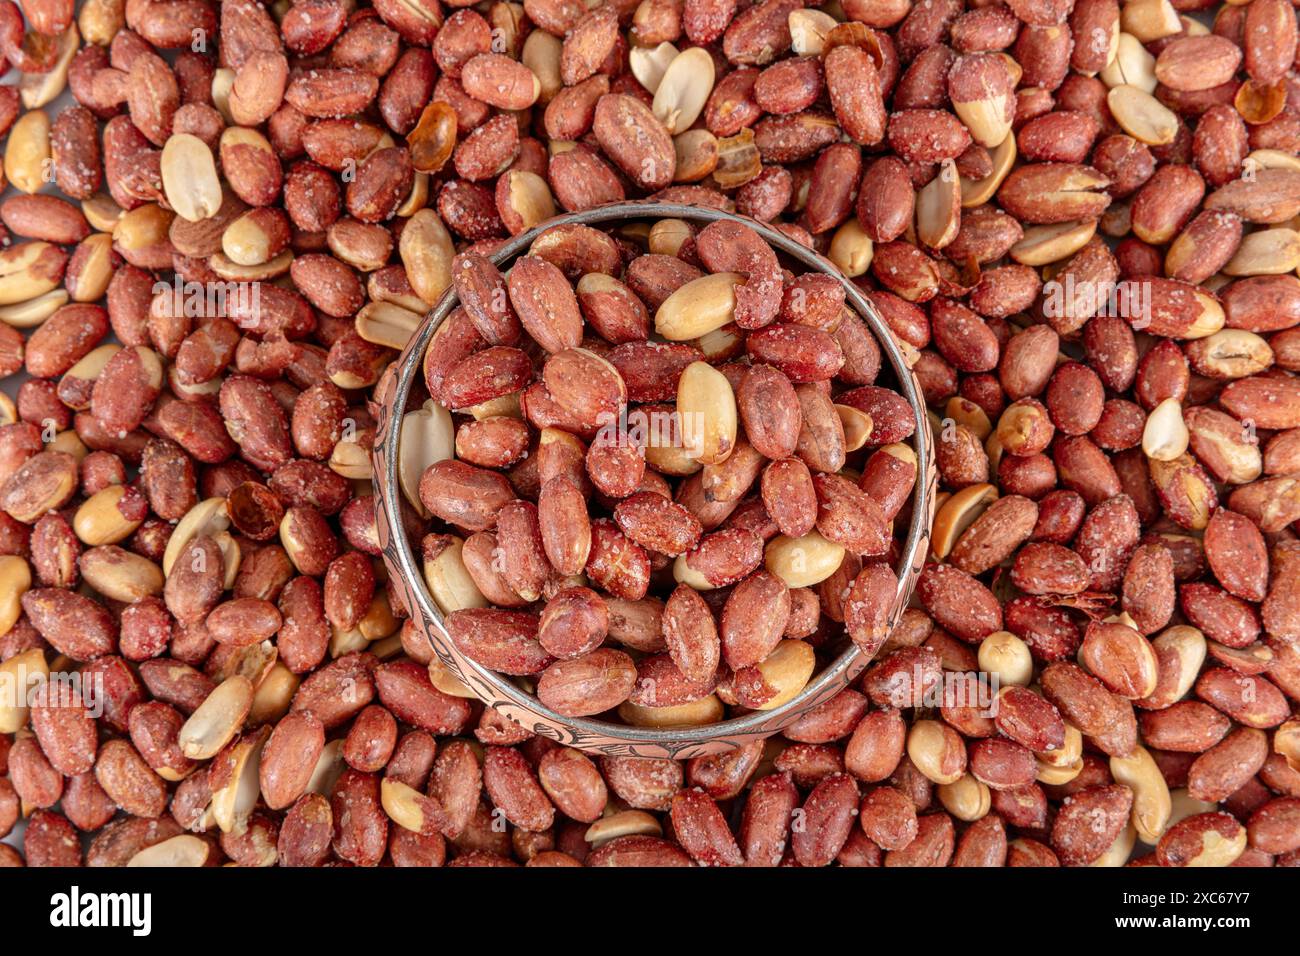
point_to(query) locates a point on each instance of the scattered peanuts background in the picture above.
(222, 222)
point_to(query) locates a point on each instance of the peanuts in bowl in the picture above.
(651, 454)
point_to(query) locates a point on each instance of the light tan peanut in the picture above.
(649, 64)
(40, 89)
(706, 410)
(683, 89)
(427, 252)
(1152, 806)
(26, 670)
(782, 674)
(27, 152)
(851, 249)
(1165, 436)
(1007, 656)
(803, 561)
(218, 719)
(700, 306)
(190, 177)
(100, 521)
(966, 798)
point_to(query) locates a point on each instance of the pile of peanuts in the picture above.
(1079, 220)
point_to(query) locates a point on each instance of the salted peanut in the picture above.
(25, 669)
(209, 518)
(524, 199)
(956, 514)
(698, 307)
(226, 268)
(351, 459)
(28, 270)
(808, 31)
(541, 54)
(938, 207)
(966, 798)
(441, 677)
(223, 81)
(1056, 776)
(1180, 651)
(449, 582)
(665, 239)
(697, 713)
(182, 850)
(937, 751)
(91, 268)
(121, 575)
(1149, 20)
(39, 89)
(1229, 354)
(851, 248)
(1142, 116)
(969, 415)
(1261, 159)
(649, 64)
(1165, 435)
(857, 427)
(1286, 739)
(189, 175)
(44, 483)
(233, 778)
(32, 312)
(1152, 805)
(70, 443)
(778, 678)
(1194, 63)
(1132, 66)
(274, 694)
(27, 152)
(101, 212)
(76, 386)
(1025, 428)
(1002, 157)
(384, 323)
(1203, 839)
(1266, 252)
(410, 809)
(14, 582)
(1007, 656)
(1043, 245)
(803, 561)
(100, 519)
(683, 90)
(255, 237)
(218, 719)
(1067, 756)
(101, 20)
(621, 824)
(706, 412)
(427, 252)
(982, 92)
(500, 81)
(141, 233)
(1119, 852)
(669, 455)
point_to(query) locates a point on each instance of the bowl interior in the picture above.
(500, 692)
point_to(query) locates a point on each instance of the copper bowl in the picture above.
(497, 690)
